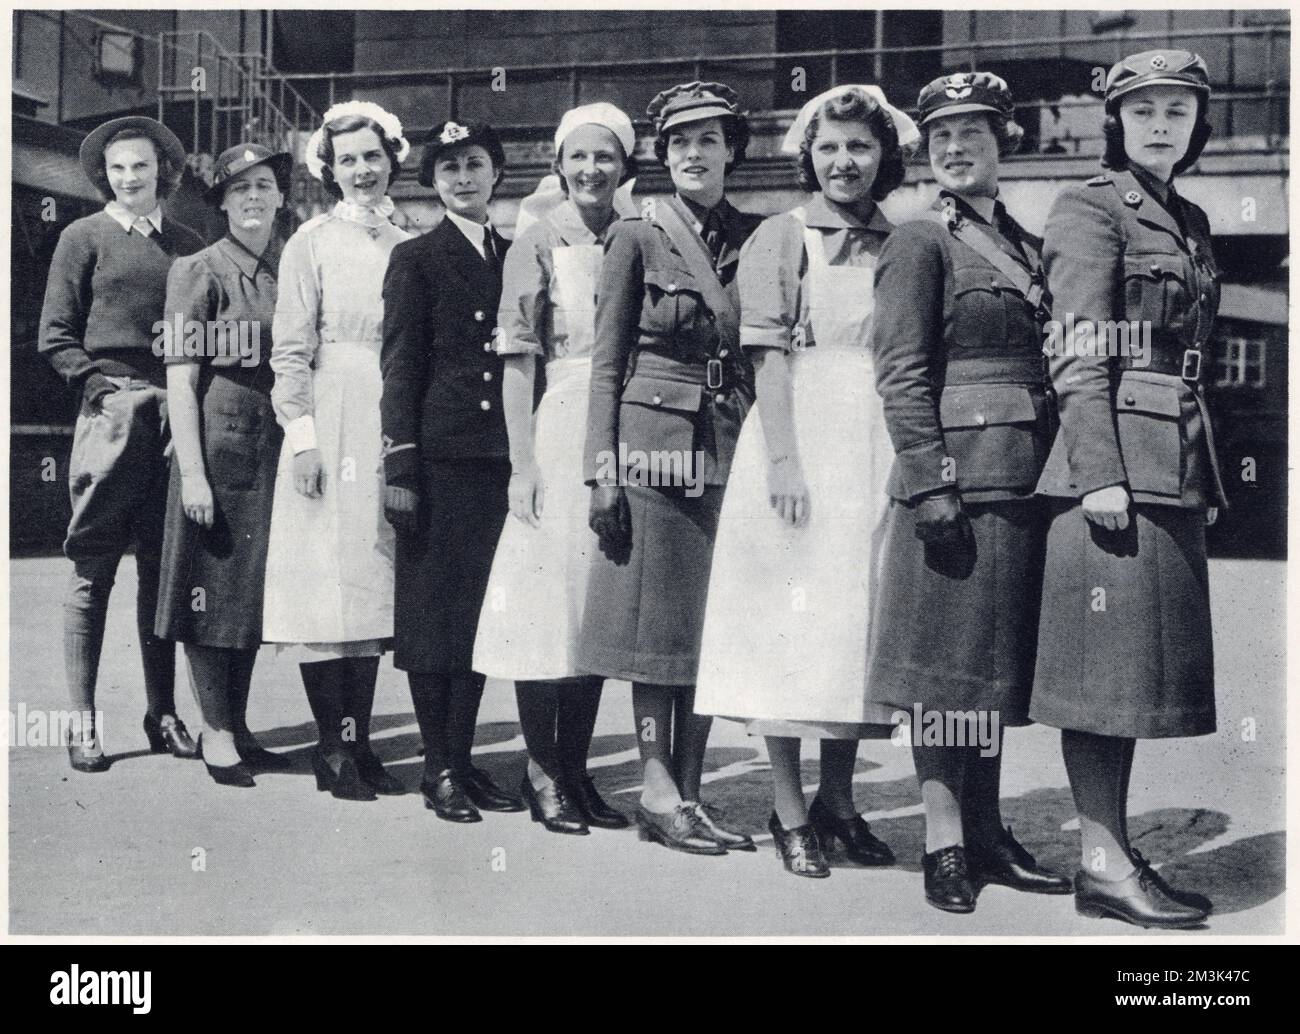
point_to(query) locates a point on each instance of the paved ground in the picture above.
(115, 853)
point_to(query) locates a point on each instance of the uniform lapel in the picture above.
(1148, 209)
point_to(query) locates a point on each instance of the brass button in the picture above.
(719, 398)
(485, 405)
(487, 346)
(487, 375)
(1129, 400)
(1155, 269)
(724, 353)
(479, 315)
(657, 400)
(980, 419)
(672, 286)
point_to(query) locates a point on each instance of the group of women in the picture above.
(861, 504)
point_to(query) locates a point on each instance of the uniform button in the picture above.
(485, 405)
(980, 419)
(1205, 298)
(1129, 400)
(724, 353)
(658, 400)
(479, 315)
(1155, 269)
(672, 287)
(487, 375)
(487, 346)
(719, 398)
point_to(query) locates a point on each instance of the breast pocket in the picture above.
(1156, 289)
(1148, 416)
(657, 414)
(672, 302)
(232, 440)
(991, 431)
(980, 305)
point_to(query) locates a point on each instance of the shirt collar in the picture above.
(827, 215)
(125, 218)
(248, 263)
(569, 223)
(473, 231)
(701, 214)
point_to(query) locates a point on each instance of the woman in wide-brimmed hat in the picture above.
(329, 566)
(106, 290)
(1125, 644)
(227, 445)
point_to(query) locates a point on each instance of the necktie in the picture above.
(143, 226)
(714, 234)
(490, 250)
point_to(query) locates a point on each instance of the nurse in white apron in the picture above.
(532, 613)
(786, 626)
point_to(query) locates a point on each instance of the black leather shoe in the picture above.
(947, 880)
(859, 843)
(1008, 864)
(230, 775)
(258, 759)
(553, 809)
(168, 735)
(373, 774)
(87, 757)
(446, 799)
(1184, 897)
(337, 773)
(1137, 899)
(593, 808)
(799, 849)
(679, 830)
(485, 794)
(728, 838)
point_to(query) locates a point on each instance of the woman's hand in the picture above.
(527, 493)
(1107, 507)
(401, 505)
(787, 491)
(309, 474)
(611, 520)
(196, 500)
(941, 522)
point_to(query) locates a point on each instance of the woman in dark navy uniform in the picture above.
(1125, 646)
(668, 381)
(227, 449)
(960, 370)
(447, 457)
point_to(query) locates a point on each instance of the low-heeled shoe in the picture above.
(258, 759)
(87, 757)
(446, 798)
(1184, 897)
(859, 844)
(1008, 864)
(728, 838)
(799, 849)
(338, 774)
(581, 789)
(485, 794)
(679, 829)
(1136, 899)
(552, 808)
(374, 775)
(947, 880)
(168, 735)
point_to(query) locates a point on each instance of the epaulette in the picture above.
(1100, 179)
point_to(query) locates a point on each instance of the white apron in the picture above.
(532, 612)
(787, 621)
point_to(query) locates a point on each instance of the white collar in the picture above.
(125, 218)
(367, 215)
(473, 231)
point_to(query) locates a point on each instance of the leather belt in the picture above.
(992, 369)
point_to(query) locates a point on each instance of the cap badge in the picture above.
(1158, 62)
(959, 86)
(452, 132)
(249, 156)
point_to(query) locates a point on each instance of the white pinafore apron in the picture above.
(532, 612)
(787, 623)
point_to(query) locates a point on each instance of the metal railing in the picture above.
(952, 55)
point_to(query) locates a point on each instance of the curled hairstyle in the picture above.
(856, 106)
(350, 124)
(629, 168)
(735, 134)
(1006, 132)
(169, 175)
(1115, 156)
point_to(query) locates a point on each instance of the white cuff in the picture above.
(301, 433)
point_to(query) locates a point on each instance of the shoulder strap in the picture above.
(698, 260)
(1025, 282)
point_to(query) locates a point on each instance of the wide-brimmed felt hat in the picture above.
(92, 148)
(1157, 68)
(237, 159)
(452, 134)
(963, 92)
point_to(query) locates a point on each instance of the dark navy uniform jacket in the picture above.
(1114, 251)
(655, 334)
(442, 376)
(958, 355)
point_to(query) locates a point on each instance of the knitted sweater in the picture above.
(106, 291)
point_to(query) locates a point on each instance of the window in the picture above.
(1239, 363)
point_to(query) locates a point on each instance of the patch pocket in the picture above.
(991, 432)
(1148, 417)
(659, 414)
(1155, 288)
(232, 448)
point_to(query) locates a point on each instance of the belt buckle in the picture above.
(713, 374)
(1192, 365)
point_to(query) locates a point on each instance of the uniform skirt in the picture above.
(1125, 646)
(644, 616)
(532, 614)
(442, 572)
(210, 589)
(955, 630)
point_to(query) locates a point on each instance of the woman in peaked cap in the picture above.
(532, 611)
(1125, 648)
(227, 447)
(669, 380)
